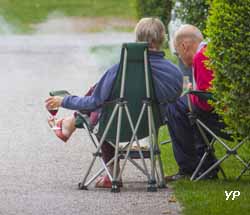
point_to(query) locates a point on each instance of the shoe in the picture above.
(212, 177)
(104, 182)
(58, 132)
(176, 177)
(209, 176)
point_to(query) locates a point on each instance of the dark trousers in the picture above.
(108, 151)
(188, 144)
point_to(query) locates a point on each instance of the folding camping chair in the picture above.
(130, 114)
(217, 136)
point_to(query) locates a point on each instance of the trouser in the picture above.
(188, 144)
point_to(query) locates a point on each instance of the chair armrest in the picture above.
(61, 93)
(204, 95)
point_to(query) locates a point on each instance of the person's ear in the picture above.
(185, 46)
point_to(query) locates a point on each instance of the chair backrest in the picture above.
(133, 84)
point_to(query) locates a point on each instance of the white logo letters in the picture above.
(233, 193)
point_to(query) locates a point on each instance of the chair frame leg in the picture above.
(194, 175)
(247, 168)
(229, 152)
(212, 167)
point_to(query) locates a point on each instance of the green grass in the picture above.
(22, 13)
(208, 197)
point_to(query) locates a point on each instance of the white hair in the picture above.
(150, 30)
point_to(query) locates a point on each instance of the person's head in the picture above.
(150, 30)
(186, 41)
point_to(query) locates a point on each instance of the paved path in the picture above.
(39, 174)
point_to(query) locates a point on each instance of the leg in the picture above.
(67, 126)
(181, 133)
(108, 152)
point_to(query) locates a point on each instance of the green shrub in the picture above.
(229, 50)
(154, 8)
(193, 12)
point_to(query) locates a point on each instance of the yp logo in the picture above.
(232, 194)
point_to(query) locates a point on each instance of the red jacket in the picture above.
(203, 77)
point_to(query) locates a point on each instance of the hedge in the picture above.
(228, 29)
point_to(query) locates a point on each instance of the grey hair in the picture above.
(150, 30)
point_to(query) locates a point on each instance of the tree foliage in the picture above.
(155, 8)
(193, 12)
(229, 50)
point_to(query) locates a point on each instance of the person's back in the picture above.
(168, 80)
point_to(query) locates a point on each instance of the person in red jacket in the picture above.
(188, 145)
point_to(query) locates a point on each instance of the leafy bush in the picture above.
(229, 50)
(193, 12)
(154, 8)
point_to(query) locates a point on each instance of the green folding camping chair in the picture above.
(130, 114)
(218, 136)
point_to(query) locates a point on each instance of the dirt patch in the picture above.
(79, 25)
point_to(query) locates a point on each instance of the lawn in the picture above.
(22, 13)
(208, 197)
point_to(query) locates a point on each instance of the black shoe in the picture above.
(210, 176)
(177, 176)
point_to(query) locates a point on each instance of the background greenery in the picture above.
(193, 12)
(229, 32)
(155, 8)
(23, 13)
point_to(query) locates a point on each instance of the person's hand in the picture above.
(53, 102)
(189, 86)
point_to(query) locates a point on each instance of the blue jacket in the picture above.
(168, 82)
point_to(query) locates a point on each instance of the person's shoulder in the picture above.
(201, 54)
(112, 70)
(114, 67)
(170, 66)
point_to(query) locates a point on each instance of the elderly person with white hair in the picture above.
(188, 145)
(167, 78)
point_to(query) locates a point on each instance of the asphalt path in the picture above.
(39, 174)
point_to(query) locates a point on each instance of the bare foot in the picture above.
(66, 125)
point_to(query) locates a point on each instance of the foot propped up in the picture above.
(66, 127)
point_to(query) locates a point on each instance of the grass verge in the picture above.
(208, 197)
(26, 12)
